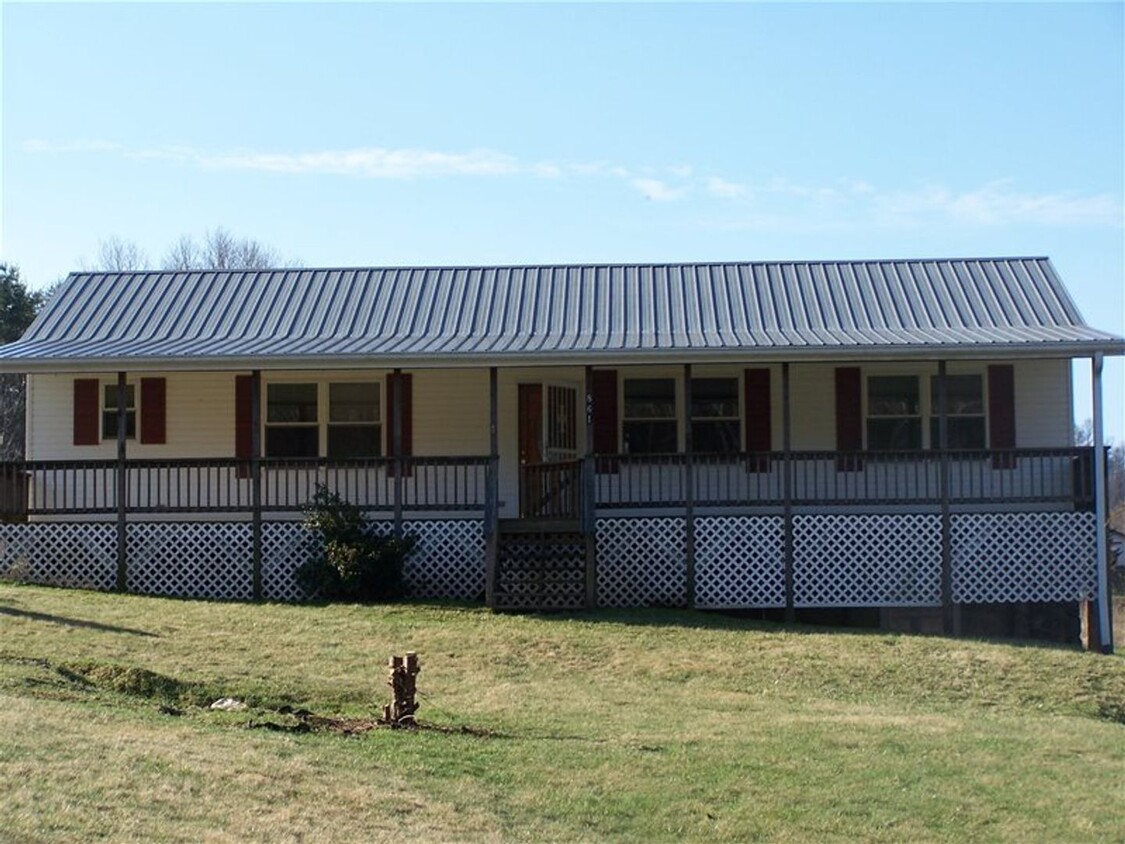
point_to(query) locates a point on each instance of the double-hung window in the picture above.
(339, 419)
(292, 420)
(715, 424)
(964, 411)
(353, 419)
(649, 416)
(109, 411)
(894, 413)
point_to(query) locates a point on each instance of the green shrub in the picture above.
(350, 563)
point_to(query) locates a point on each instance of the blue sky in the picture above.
(434, 134)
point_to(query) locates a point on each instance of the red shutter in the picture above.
(154, 411)
(605, 418)
(243, 422)
(87, 411)
(1002, 414)
(849, 417)
(759, 437)
(405, 392)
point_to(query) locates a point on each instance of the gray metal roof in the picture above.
(551, 314)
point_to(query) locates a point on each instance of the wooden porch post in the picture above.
(787, 492)
(256, 481)
(492, 494)
(589, 492)
(950, 623)
(122, 487)
(1105, 618)
(689, 494)
(396, 445)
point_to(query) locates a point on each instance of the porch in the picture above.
(752, 530)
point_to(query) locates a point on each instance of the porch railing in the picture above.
(1059, 476)
(223, 485)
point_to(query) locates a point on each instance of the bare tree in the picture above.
(220, 250)
(117, 256)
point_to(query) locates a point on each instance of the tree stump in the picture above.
(403, 671)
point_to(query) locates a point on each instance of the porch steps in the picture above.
(541, 565)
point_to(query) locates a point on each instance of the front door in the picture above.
(548, 434)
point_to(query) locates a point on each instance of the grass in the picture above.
(629, 726)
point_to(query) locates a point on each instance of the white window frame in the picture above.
(323, 408)
(135, 409)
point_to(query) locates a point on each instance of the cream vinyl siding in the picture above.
(200, 418)
(1044, 415)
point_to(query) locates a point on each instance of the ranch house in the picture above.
(889, 438)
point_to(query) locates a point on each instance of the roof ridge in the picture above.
(573, 265)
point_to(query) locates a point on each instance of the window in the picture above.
(292, 428)
(109, 412)
(294, 419)
(964, 411)
(649, 416)
(715, 424)
(894, 413)
(353, 420)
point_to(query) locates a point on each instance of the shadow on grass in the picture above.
(75, 622)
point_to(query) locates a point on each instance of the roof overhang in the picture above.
(635, 357)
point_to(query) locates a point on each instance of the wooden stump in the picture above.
(403, 671)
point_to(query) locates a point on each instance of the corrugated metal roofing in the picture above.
(551, 313)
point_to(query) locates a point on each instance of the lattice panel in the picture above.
(641, 562)
(190, 559)
(867, 560)
(285, 547)
(448, 561)
(1002, 557)
(75, 554)
(739, 562)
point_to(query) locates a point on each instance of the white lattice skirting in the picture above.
(739, 562)
(642, 562)
(867, 560)
(81, 555)
(1017, 557)
(839, 560)
(214, 559)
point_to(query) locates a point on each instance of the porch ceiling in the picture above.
(546, 315)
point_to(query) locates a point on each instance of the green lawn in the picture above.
(634, 726)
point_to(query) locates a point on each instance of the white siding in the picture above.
(1044, 415)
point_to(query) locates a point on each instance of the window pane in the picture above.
(111, 397)
(714, 397)
(965, 432)
(716, 437)
(894, 434)
(892, 395)
(354, 440)
(964, 393)
(291, 403)
(353, 402)
(109, 424)
(292, 442)
(650, 437)
(650, 398)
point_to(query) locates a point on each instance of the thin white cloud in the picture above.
(997, 204)
(724, 189)
(656, 190)
(367, 162)
(774, 203)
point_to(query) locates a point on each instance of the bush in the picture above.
(351, 564)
